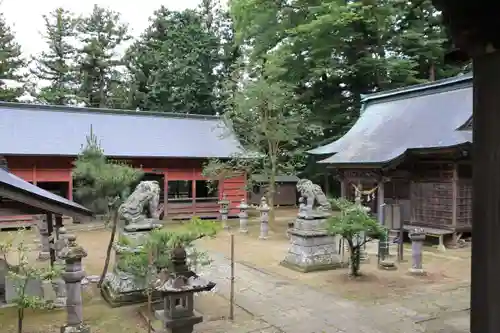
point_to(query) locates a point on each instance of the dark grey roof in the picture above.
(279, 179)
(27, 129)
(394, 122)
(18, 189)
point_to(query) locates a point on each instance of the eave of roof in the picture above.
(17, 189)
(60, 131)
(393, 122)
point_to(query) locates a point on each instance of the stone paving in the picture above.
(295, 308)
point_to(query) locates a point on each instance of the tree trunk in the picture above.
(110, 247)
(354, 259)
(20, 319)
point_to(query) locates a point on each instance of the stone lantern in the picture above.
(224, 210)
(243, 207)
(264, 218)
(177, 294)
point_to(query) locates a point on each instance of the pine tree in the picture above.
(100, 33)
(11, 65)
(56, 66)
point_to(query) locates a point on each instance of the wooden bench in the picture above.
(433, 232)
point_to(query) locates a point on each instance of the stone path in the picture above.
(296, 308)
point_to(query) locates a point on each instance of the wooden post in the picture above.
(380, 201)
(193, 194)
(231, 296)
(165, 195)
(70, 187)
(454, 195)
(59, 224)
(343, 188)
(50, 230)
(485, 270)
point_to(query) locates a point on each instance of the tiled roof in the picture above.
(394, 122)
(27, 129)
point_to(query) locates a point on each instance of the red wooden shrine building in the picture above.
(40, 143)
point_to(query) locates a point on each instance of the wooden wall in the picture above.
(38, 169)
(286, 194)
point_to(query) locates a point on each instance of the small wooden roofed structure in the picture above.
(34, 200)
(285, 194)
(413, 145)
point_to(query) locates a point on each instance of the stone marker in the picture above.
(72, 276)
(312, 248)
(264, 218)
(417, 237)
(224, 211)
(243, 207)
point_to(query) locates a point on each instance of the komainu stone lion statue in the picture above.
(313, 193)
(141, 207)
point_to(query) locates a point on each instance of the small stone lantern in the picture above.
(43, 230)
(417, 237)
(177, 293)
(72, 276)
(243, 207)
(224, 211)
(264, 218)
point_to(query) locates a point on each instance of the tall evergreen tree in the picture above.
(101, 33)
(56, 66)
(11, 65)
(179, 61)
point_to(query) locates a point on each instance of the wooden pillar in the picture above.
(165, 195)
(34, 174)
(454, 195)
(327, 184)
(485, 290)
(50, 230)
(70, 186)
(193, 190)
(380, 201)
(59, 224)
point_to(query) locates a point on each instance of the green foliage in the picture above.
(356, 226)
(101, 183)
(11, 65)
(160, 244)
(181, 60)
(56, 66)
(22, 272)
(101, 33)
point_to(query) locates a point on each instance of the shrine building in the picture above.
(40, 142)
(412, 146)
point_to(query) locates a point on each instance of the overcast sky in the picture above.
(25, 16)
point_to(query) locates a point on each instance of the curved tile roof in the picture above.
(27, 129)
(424, 116)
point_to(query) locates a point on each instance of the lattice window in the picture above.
(432, 203)
(464, 202)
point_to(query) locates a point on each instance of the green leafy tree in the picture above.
(21, 273)
(269, 121)
(12, 64)
(357, 227)
(56, 66)
(102, 184)
(180, 62)
(100, 33)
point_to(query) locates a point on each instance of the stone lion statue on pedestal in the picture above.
(312, 193)
(141, 207)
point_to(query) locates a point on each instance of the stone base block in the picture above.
(387, 265)
(180, 325)
(42, 256)
(416, 272)
(312, 251)
(82, 328)
(119, 289)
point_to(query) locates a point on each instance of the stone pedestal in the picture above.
(43, 229)
(311, 247)
(72, 276)
(119, 286)
(243, 207)
(417, 238)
